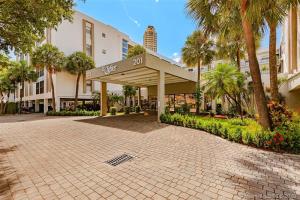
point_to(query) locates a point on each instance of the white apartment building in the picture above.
(102, 42)
(290, 58)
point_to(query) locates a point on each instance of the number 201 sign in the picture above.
(137, 61)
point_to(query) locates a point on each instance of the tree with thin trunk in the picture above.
(21, 72)
(197, 51)
(49, 57)
(77, 64)
(274, 12)
(210, 14)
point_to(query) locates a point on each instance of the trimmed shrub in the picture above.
(137, 109)
(247, 131)
(73, 113)
(127, 110)
(113, 111)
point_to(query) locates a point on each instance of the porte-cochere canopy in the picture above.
(146, 70)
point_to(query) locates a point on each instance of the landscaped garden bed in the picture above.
(247, 131)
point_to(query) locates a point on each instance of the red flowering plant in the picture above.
(279, 115)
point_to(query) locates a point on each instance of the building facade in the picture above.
(150, 39)
(102, 42)
(290, 58)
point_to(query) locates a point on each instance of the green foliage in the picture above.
(79, 63)
(11, 108)
(113, 111)
(115, 98)
(135, 51)
(48, 56)
(197, 48)
(127, 110)
(279, 114)
(74, 113)
(186, 108)
(23, 23)
(138, 109)
(245, 131)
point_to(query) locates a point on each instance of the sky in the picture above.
(132, 17)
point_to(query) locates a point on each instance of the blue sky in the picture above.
(133, 16)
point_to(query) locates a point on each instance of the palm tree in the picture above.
(197, 51)
(226, 81)
(135, 51)
(274, 13)
(21, 72)
(211, 14)
(50, 57)
(78, 63)
(128, 91)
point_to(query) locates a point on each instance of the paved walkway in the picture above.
(64, 158)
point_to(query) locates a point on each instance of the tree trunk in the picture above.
(272, 61)
(6, 104)
(1, 103)
(238, 59)
(198, 85)
(53, 92)
(21, 98)
(76, 92)
(260, 98)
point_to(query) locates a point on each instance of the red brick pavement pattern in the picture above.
(63, 158)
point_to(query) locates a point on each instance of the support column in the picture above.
(103, 98)
(213, 105)
(45, 106)
(57, 104)
(37, 106)
(293, 39)
(133, 101)
(139, 97)
(161, 93)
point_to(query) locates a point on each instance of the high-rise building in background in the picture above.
(150, 38)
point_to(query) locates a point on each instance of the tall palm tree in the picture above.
(52, 59)
(274, 13)
(21, 72)
(197, 51)
(78, 63)
(128, 91)
(210, 14)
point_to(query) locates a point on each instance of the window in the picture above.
(103, 51)
(40, 72)
(103, 35)
(88, 38)
(124, 49)
(39, 89)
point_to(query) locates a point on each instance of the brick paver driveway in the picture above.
(64, 158)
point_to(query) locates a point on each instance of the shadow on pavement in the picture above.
(266, 178)
(8, 177)
(135, 122)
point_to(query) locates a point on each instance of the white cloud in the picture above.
(176, 57)
(136, 22)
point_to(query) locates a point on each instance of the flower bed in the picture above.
(245, 131)
(74, 113)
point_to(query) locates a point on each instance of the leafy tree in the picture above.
(52, 59)
(5, 87)
(226, 81)
(129, 91)
(197, 51)
(210, 14)
(114, 98)
(135, 51)
(23, 22)
(78, 63)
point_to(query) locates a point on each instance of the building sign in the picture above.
(109, 69)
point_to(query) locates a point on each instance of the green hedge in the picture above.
(12, 108)
(245, 131)
(113, 111)
(74, 113)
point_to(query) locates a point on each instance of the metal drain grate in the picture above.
(118, 160)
